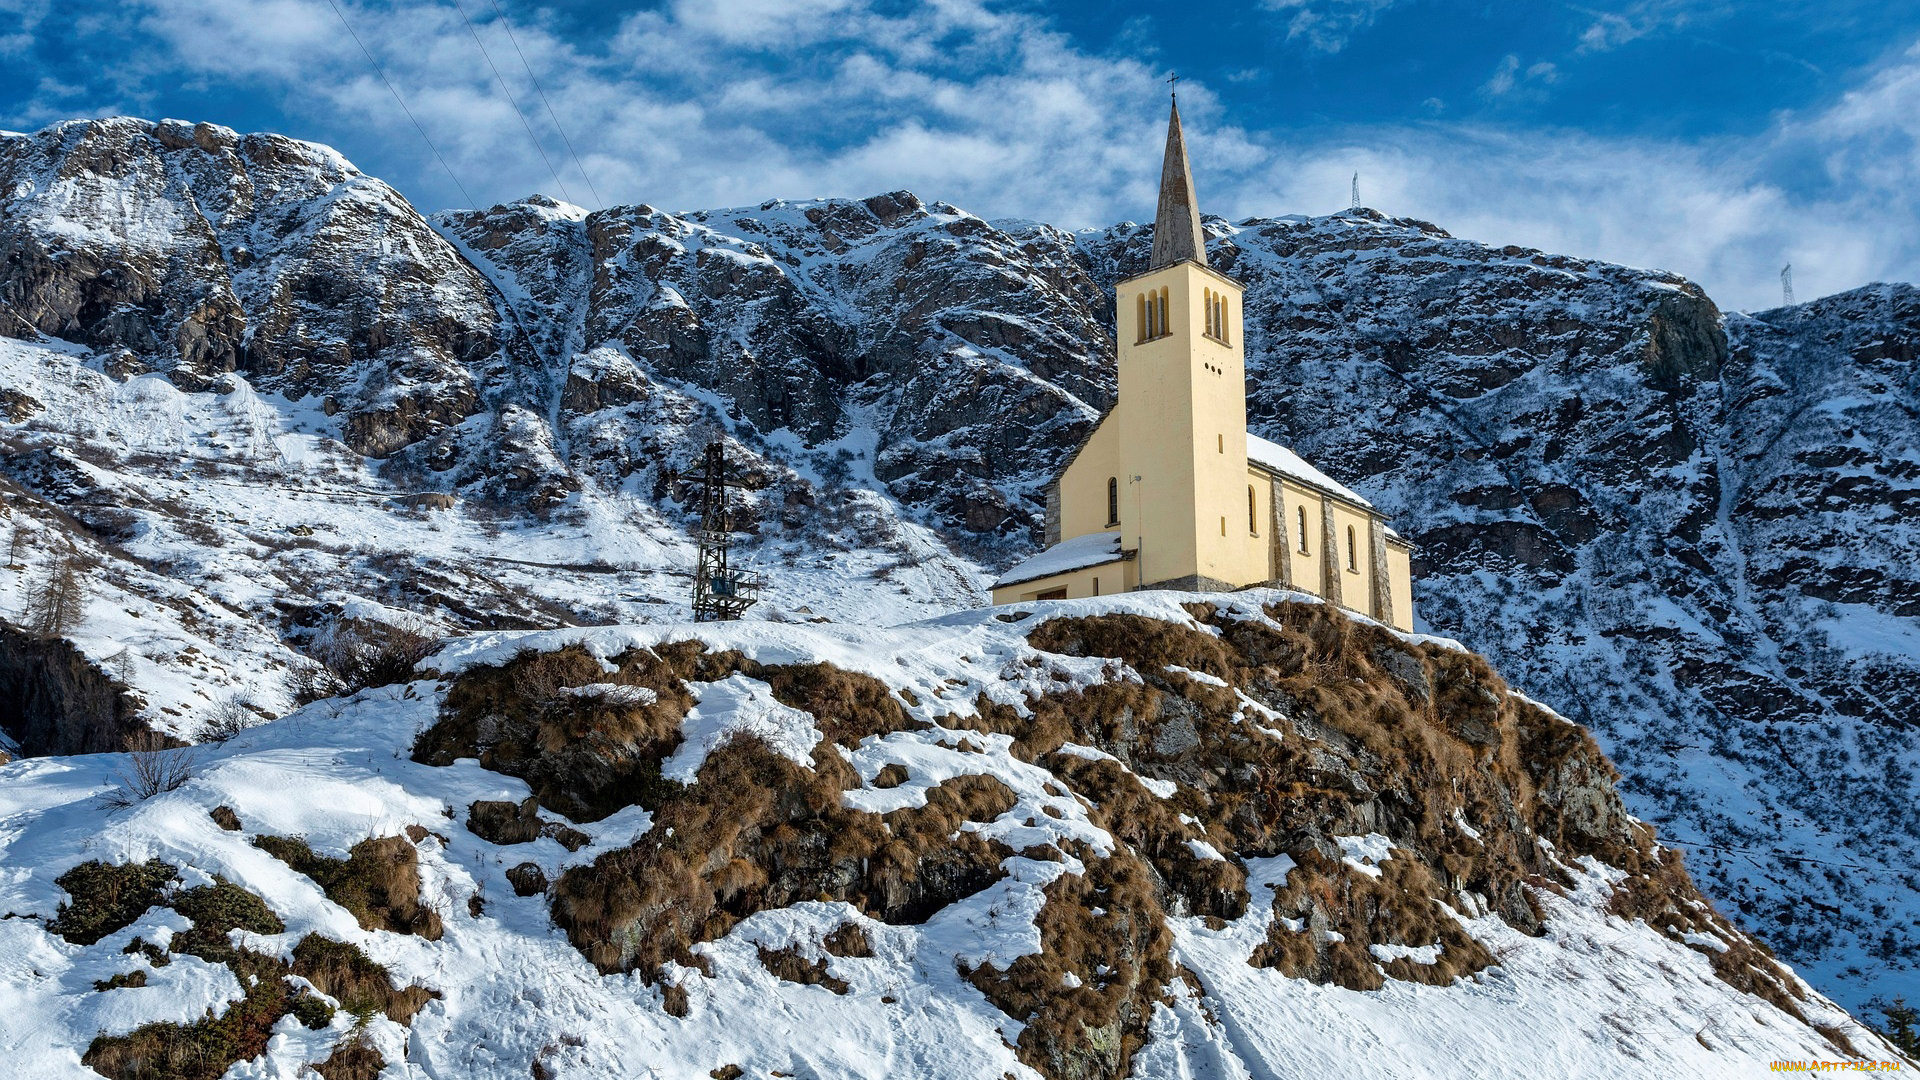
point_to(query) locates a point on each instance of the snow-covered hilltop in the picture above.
(1689, 532)
(1155, 835)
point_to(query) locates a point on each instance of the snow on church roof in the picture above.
(1078, 553)
(1287, 463)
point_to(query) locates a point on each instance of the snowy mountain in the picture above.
(242, 374)
(1156, 835)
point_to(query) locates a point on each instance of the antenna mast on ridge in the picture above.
(720, 592)
(1355, 204)
(1786, 285)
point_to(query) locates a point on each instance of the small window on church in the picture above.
(1096, 586)
(1303, 531)
(1113, 500)
(1221, 443)
(1353, 552)
(1253, 520)
(1223, 524)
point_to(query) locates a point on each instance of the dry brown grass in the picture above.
(379, 881)
(1092, 1029)
(354, 1059)
(207, 1048)
(362, 987)
(796, 967)
(757, 831)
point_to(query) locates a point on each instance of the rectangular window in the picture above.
(1096, 586)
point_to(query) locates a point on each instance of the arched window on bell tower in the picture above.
(1113, 500)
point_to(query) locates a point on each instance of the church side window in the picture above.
(1113, 500)
(1253, 517)
(1303, 531)
(1353, 552)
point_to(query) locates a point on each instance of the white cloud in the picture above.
(1327, 25)
(998, 112)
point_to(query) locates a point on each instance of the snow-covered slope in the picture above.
(1118, 916)
(1689, 531)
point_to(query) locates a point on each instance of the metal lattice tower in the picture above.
(720, 591)
(1356, 192)
(1786, 285)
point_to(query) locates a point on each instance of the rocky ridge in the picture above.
(1155, 834)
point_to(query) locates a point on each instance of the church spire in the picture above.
(1176, 226)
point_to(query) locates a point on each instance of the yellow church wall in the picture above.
(1099, 580)
(1083, 487)
(1355, 567)
(1305, 564)
(1400, 577)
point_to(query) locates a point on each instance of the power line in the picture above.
(457, 6)
(402, 101)
(507, 25)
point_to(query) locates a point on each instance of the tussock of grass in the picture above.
(135, 978)
(107, 898)
(216, 911)
(379, 881)
(362, 987)
(795, 967)
(354, 1059)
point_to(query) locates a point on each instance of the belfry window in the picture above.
(1353, 552)
(1113, 500)
(1145, 329)
(1303, 531)
(1216, 311)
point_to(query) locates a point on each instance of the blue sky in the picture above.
(1713, 138)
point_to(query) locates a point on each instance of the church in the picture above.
(1170, 491)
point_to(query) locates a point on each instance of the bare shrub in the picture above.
(311, 682)
(155, 765)
(363, 654)
(225, 719)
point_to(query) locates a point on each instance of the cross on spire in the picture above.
(1173, 85)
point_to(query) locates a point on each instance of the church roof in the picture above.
(1277, 458)
(1176, 225)
(1079, 553)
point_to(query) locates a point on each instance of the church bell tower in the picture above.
(1183, 418)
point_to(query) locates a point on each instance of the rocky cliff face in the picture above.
(1681, 527)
